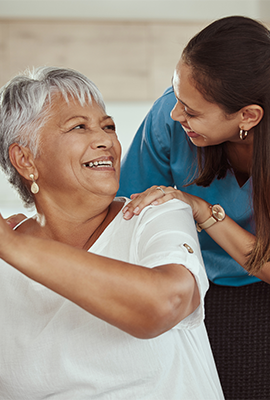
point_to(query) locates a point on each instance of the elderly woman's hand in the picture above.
(14, 220)
(6, 238)
(156, 195)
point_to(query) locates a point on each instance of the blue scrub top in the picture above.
(162, 154)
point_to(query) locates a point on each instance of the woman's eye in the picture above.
(110, 128)
(187, 114)
(81, 126)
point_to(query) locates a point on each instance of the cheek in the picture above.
(54, 162)
(197, 125)
(207, 126)
(117, 156)
(118, 168)
(117, 149)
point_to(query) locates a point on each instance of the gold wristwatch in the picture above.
(218, 215)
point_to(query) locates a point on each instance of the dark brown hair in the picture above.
(230, 63)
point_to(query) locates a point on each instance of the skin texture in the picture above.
(75, 204)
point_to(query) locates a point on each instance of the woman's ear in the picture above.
(251, 115)
(22, 159)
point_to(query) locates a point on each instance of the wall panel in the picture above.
(129, 61)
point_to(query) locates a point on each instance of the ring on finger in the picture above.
(160, 188)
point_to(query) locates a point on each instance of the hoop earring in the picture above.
(34, 186)
(243, 134)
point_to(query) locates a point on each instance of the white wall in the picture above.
(134, 9)
(128, 117)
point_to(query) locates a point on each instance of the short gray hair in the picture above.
(23, 112)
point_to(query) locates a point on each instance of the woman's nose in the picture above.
(101, 139)
(177, 113)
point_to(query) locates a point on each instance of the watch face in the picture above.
(218, 212)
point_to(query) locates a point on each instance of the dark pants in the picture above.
(238, 325)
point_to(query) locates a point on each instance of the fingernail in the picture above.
(124, 210)
(154, 203)
(136, 210)
(127, 215)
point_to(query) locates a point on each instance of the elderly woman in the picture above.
(91, 305)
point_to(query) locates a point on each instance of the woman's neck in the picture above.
(240, 158)
(72, 229)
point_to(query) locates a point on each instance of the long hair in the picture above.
(230, 64)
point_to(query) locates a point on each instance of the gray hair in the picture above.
(23, 112)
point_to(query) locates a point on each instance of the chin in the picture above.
(110, 192)
(198, 143)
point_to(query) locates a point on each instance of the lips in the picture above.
(98, 164)
(190, 133)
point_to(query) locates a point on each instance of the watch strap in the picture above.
(209, 222)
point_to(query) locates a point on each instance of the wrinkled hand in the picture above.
(6, 238)
(14, 220)
(156, 195)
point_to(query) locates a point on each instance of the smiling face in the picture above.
(79, 153)
(205, 123)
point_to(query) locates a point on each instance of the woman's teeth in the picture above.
(98, 163)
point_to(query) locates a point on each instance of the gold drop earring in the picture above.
(34, 186)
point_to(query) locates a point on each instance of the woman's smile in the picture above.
(191, 133)
(102, 163)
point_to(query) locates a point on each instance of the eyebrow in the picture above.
(85, 118)
(107, 117)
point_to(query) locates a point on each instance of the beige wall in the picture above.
(131, 61)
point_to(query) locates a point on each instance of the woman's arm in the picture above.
(236, 241)
(141, 301)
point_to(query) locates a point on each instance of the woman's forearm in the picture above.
(141, 301)
(237, 242)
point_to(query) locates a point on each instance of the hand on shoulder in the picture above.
(156, 195)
